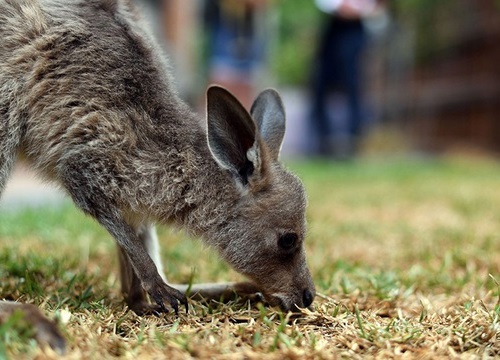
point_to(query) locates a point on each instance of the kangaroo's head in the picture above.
(263, 235)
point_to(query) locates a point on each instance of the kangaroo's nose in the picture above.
(307, 298)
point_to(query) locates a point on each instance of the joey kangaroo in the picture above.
(86, 97)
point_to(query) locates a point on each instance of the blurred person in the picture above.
(338, 67)
(236, 44)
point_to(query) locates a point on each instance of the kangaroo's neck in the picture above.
(180, 182)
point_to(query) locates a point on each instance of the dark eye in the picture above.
(287, 241)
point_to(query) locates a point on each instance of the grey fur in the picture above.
(87, 98)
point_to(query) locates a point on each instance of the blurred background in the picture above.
(358, 77)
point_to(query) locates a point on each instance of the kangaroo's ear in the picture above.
(232, 134)
(269, 113)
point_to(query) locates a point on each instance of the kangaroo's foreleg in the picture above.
(134, 294)
(86, 178)
(144, 268)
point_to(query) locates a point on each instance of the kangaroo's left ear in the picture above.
(269, 114)
(232, 136)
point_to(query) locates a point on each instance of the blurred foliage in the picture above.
(297, 28)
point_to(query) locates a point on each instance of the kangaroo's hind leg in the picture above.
(45, 330)
(226, 291)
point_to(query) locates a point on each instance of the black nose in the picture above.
(307, 298)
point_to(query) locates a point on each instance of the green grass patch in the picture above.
(405, 254)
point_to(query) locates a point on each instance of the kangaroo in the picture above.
(87, 98)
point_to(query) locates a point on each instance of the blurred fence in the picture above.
(449, 96)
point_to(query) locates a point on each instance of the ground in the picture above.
(405, 254)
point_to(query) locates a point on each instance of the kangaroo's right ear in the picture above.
(232, 135)
(269, 113)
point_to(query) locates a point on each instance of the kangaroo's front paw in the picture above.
(162, 293)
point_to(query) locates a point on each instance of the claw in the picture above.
(175, 306)
(180, 298)
(164, 294)
(160, 303)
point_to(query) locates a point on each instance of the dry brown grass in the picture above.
(405, 255)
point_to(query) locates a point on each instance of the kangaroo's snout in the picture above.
(301, 298)
(294, 301)
(307, 298)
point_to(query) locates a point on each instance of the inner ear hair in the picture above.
(246, 171)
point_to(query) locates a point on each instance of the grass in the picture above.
(405, 255)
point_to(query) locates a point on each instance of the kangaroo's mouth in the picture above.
(288, 303)
(294, 301)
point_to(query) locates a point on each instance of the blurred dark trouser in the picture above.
(337, 67)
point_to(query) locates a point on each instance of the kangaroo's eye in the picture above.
(287, 241)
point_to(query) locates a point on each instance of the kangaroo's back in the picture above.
(80, 72)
